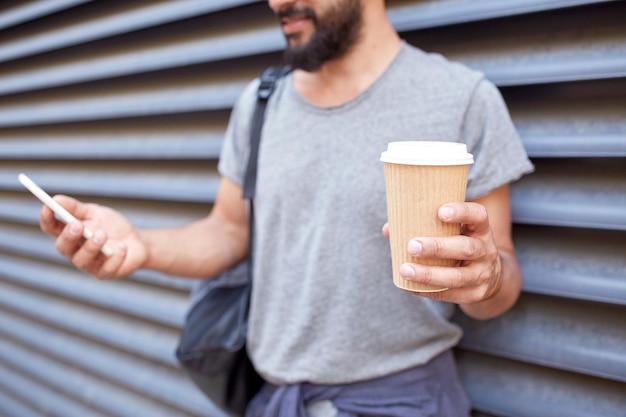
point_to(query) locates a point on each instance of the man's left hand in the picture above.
(477, 275)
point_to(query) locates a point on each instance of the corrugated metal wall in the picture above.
(125, 103)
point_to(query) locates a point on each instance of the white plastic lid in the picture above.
(427, 153)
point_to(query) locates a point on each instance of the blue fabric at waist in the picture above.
(429, 390)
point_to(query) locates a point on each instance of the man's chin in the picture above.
(296, 47)
(297, 40)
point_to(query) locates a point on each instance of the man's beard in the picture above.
(335, 33)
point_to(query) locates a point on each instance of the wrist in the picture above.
(497, 279)
(146, 242)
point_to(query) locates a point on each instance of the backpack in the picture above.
(212, 345)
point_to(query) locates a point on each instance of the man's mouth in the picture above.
(293, 24)
(293, 21)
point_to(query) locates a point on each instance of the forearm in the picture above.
(507, 290)
(201, 249)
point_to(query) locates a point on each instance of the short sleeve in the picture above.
(488, 131)
(236, 145)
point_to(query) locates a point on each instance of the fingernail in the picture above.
(446, 213)
(415, 247)
(407, 271)
(98, 237)
(74, 229)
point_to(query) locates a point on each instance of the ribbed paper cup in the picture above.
(420, 177)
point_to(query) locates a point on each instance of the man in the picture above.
(328, 330)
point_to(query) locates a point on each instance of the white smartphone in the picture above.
(63, 214)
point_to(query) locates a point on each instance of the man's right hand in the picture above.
(108, 226)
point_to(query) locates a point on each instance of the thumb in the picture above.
(78, 209)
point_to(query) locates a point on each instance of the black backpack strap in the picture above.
(268, 82)
(266, 87)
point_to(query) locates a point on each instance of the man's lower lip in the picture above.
(291, 28)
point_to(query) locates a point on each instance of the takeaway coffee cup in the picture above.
(420, 177)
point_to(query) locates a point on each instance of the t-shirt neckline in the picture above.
(350, 103)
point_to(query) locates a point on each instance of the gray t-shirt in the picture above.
(324, 309)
